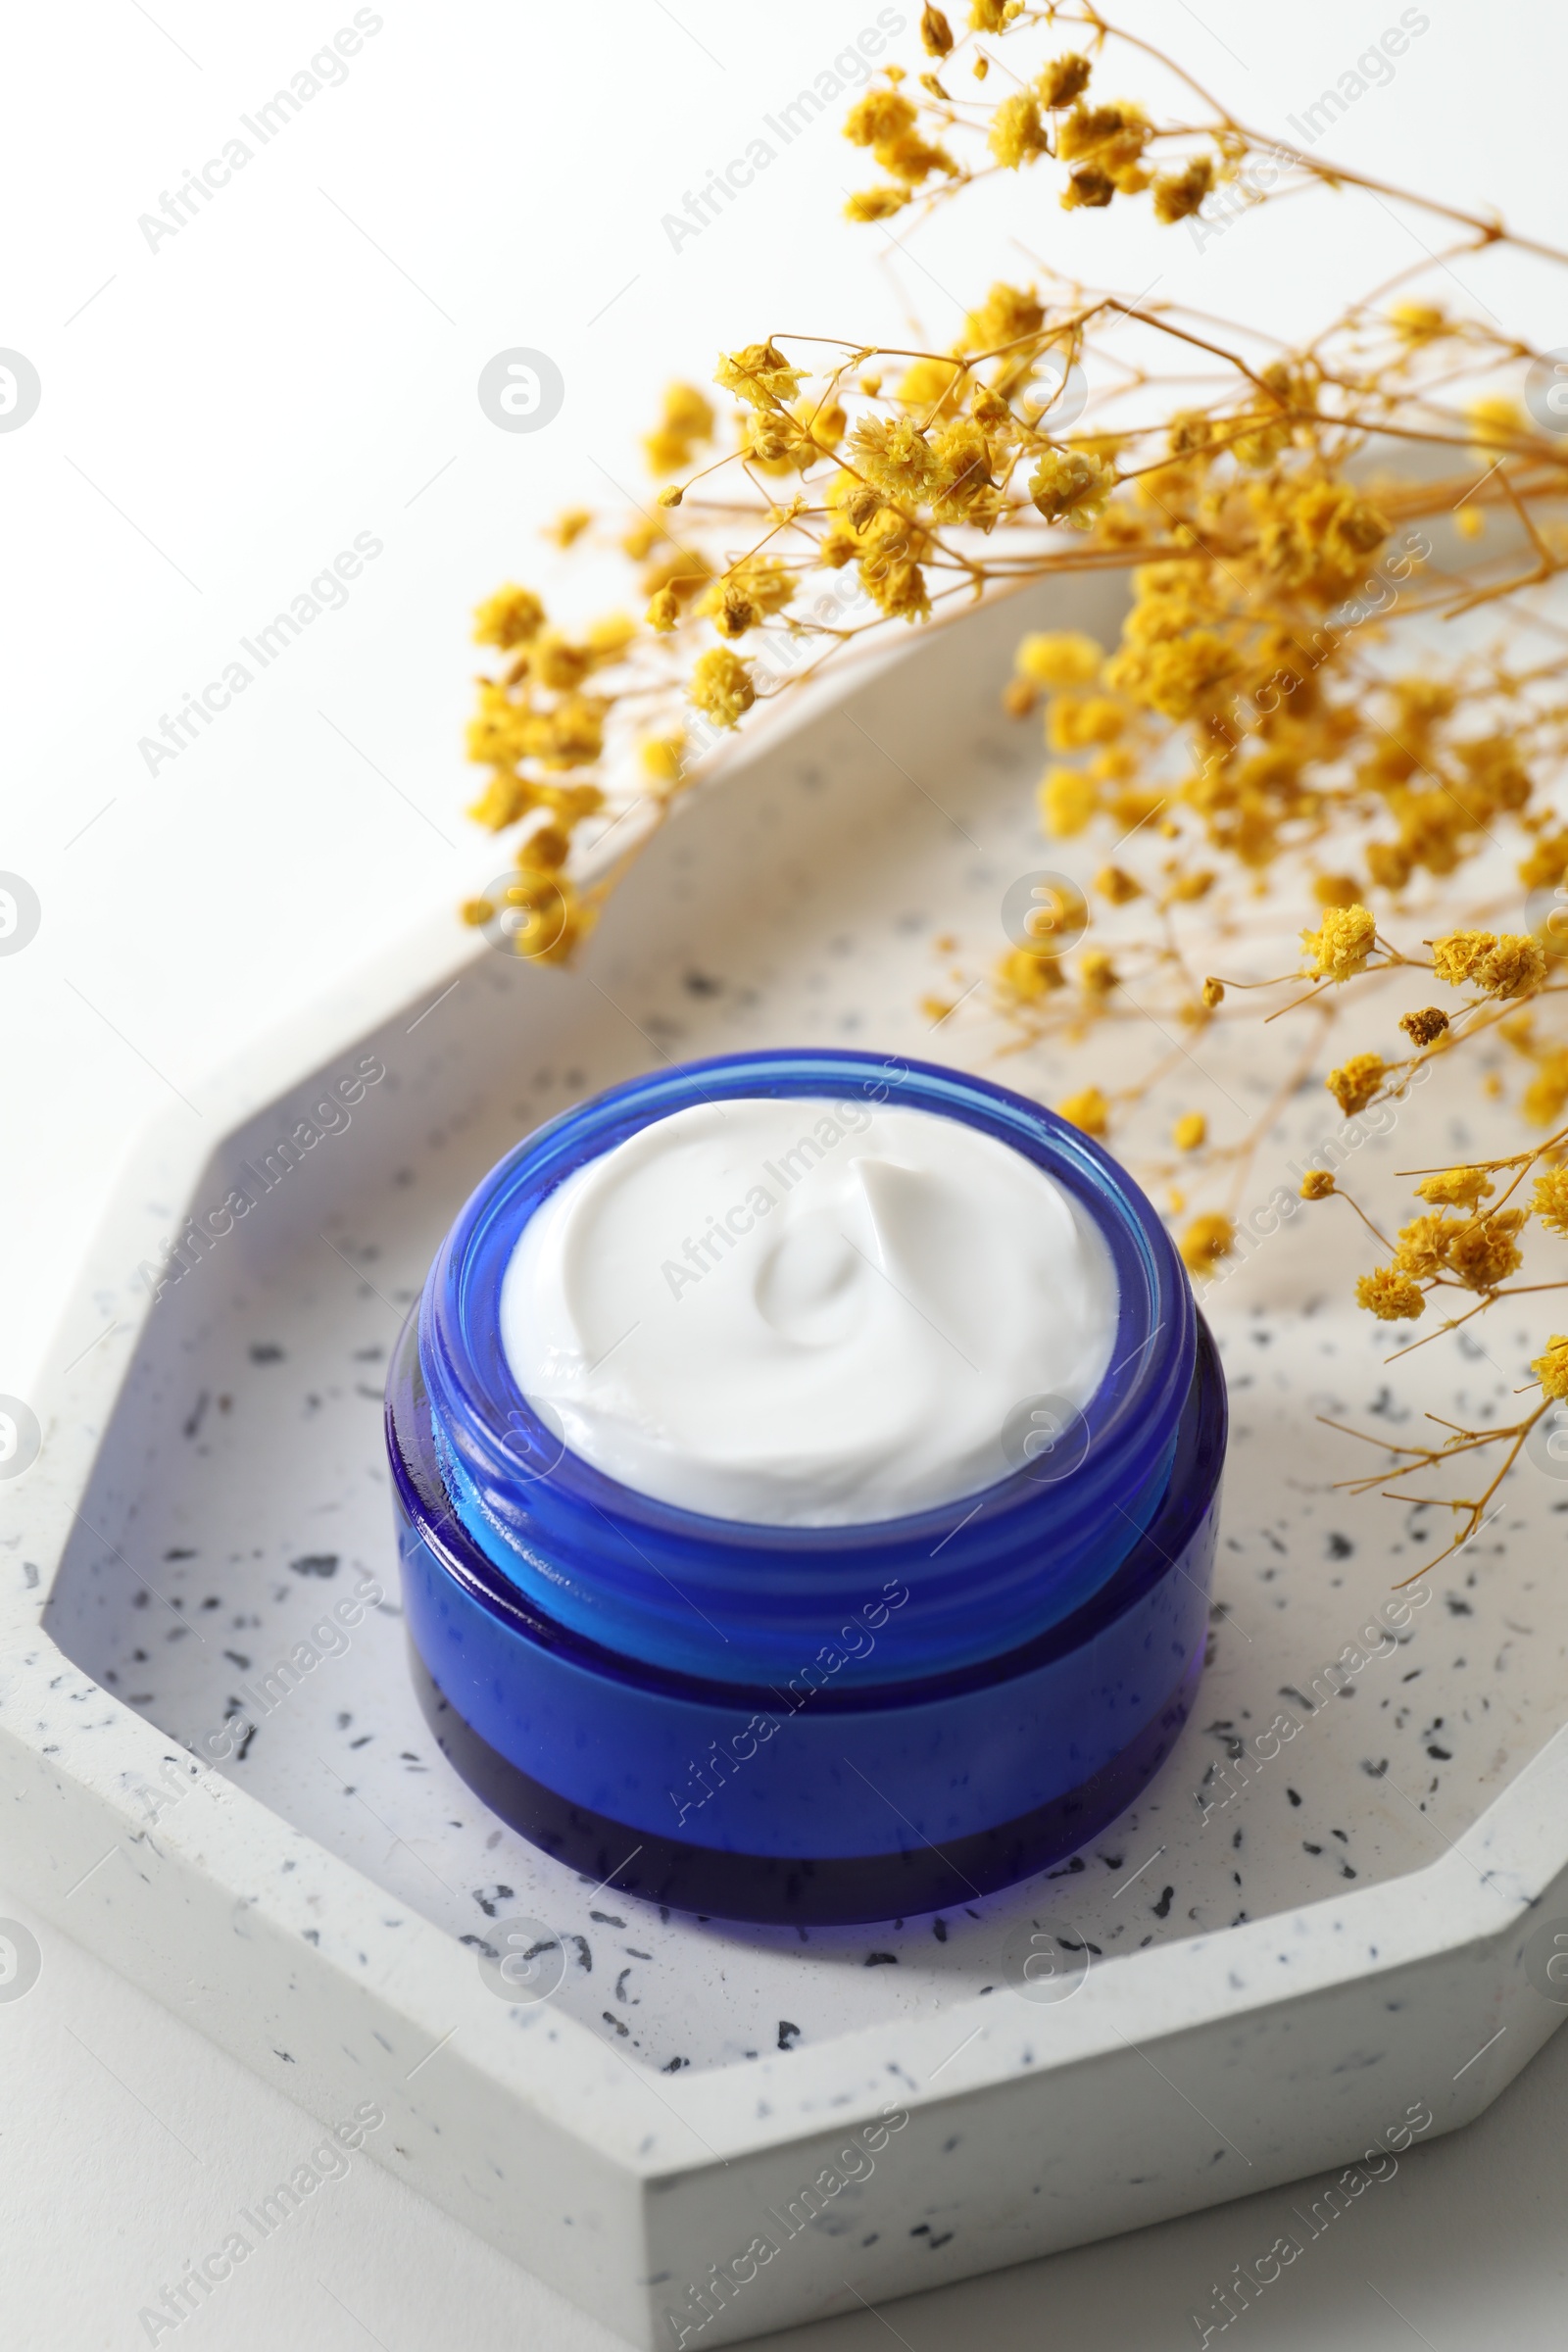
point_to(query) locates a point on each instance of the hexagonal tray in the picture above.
(1297, 1935)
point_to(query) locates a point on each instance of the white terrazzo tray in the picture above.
(1289, 1944)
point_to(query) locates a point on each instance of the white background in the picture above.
(223, 414)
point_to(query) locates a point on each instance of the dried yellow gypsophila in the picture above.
(1260, 727)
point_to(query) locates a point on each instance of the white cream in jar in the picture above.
(802, 1312)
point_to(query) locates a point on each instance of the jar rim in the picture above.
(1200, 1457)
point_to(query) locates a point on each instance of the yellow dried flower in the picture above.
(1117, 131)
(572, 735)
(1205, 1242)
(546, 849)
(721, 687)
(1069, 486)
(1426, 1027)
(1550, 1202)
(1030, 976)
(1179, 676)
(1389, 1296)
(1546, 1098)
(1515, 968)
(1008, 315)
(1389, 864)
(1170, 600)
(1113, 766)
(913, 158)
(1340, 946)
(1068, 802)
(558, 663)
(1178, 193)
(1354, 1085)
(609, 638)
(772, 440)
(1190, 429)
(1134, 807)
(679, 567)
(1315, 537)
(961, 462)
(1059, 658)
(1494, 422)
(503, 799)
(878, 117)
(1064, 79)
(885, 121)
(512, 616)
(688, 412)
(1246, 717)
(570, 802)
(1550, 1368)
(1484, 1253)
(1074, 722)
(1496, 777)
(760, 375)
(1548, 863)
(933, 386)
(1509, 966)
(893, 536)
(936, 33)
(1016, 133)
(746, 594)
(568, 526)
(895, 584)
(1427, 1246)
(896, 454)
(875, 203)
(660, 757)
(1419, 321)
(554, 917)
(1456, 1188)
(731, 610)
(1087, 1111)
(1089, 188)
(686, 417)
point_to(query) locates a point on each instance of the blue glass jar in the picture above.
(806, 1723)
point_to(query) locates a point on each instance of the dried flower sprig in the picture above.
(1279, 512)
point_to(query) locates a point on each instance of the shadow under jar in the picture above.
(806, 1723)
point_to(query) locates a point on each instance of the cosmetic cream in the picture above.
(805, 1312)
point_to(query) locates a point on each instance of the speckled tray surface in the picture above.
(272, 1501)
(1340, 1741)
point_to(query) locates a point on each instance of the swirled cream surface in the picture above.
(805, 1312)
